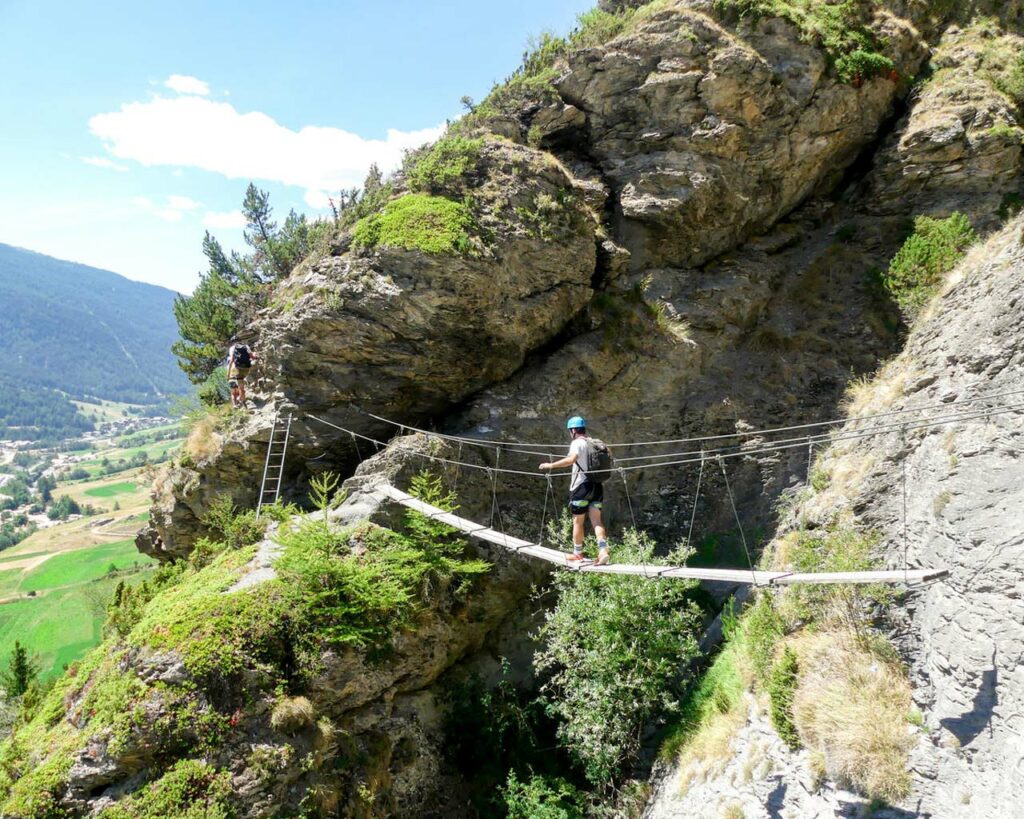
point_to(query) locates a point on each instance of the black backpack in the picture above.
(600, 459)
(241, 357)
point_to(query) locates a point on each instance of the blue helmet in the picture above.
(576, 422)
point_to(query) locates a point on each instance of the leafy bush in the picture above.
(614, 647)
(361, 585)
(443, 163)
(63, 508)
(781, 688)
(214, 390)
(542, 798)
(418, 221)
(595, 27)
(233, 527)
(126, 607)
(860, 65)
(931, 251)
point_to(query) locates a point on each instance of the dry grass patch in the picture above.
(710, 750)
(204, 441)
(851, 706)
(868, 395)
(292, 714)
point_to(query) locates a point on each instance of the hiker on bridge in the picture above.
(240, 359)
(586, 490)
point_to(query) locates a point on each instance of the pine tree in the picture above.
(21, 671)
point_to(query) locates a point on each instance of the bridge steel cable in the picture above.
(683, 458)
(540, 448)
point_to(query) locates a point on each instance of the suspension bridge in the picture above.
(711, 449)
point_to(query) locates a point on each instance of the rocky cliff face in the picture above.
(675, 237)
(963, 636)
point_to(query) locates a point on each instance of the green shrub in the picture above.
(931, 251)
(860, 65)
(542, 798)
(781, 687)
(235, 528)
(214, 391)
(418, 221)
(361, 585)
(613, 649)
(763, 628)
(443, 163)
(126, 607)
(596, 27)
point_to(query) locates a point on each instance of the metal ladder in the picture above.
(273, 467)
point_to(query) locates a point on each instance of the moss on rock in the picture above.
(419, 221)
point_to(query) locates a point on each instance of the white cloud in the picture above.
(172, 210)
(103, 162)
(193, 132)
(230, 219)
(182, 203)
(184, 84)
(317, 199)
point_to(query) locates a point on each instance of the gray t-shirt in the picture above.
(579, 448)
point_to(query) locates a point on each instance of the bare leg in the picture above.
(577, 532)
(602, 536)
(597, 523)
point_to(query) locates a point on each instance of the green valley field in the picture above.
(55, 584)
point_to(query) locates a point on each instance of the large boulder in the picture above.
(709, 132)
(961, 145)
(397, 331)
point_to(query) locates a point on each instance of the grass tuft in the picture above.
(292, 714)
(851, 705)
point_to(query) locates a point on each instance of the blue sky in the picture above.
(130, 128)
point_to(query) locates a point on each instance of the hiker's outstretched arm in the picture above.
(568, 460)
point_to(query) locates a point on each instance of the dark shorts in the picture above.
(586, 496)
(238, 373)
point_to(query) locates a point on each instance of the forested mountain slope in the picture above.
(88, 332)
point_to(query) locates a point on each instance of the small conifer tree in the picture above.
(21, 671)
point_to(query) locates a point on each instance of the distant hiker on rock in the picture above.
(240, 359)
(591, 465)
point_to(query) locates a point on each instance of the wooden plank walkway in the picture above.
(760, 578)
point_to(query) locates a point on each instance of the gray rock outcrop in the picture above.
(963, 637)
